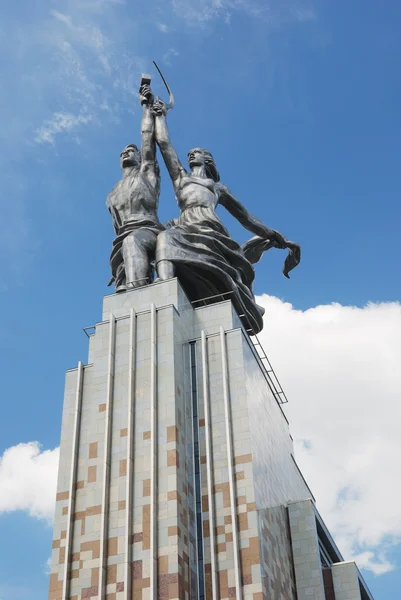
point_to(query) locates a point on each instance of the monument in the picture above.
(177, 477)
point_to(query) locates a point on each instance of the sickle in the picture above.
(170, 93)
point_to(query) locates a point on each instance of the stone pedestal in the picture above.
(176, 465)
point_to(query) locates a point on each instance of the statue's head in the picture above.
(198, 157)
(130, 156)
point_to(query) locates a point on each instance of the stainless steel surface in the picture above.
(195, 246)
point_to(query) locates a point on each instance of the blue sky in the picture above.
(299, 103)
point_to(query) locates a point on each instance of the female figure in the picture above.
(197, 247)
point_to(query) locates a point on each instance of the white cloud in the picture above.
(163, 27)
(340, 368)
(60, 122)
(28, 479)
(47, 566)
(273, 12)
(169, 55)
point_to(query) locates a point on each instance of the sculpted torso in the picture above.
(134, 198)
(196, 191)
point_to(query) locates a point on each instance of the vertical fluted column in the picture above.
(230, 460)
(73, 477)
(153, 457)
(209, 465)
(130, 456)
(107, 460)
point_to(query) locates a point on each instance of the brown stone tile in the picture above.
(258, 596)
(201, 422)
(111, 596)
(92, 546)
(223, 584)
(123, 432)
(79, 485)
(251, 506)
(173, 530)
(137, 537)
(220, 529)
(162, 565)
(239, 476)
(56, 544)
(63, 534)
(93, 510)
(243, 458)
(93, 450)
(89, 592)
(137, 569)
(172, 433)
(146, 513)
(146, 488)
(241, 500)
(173, 459)
(206, 528)
(174, 495)
(146, 435)
(146, 526)
(62, 496)
(229, 537)
(92, 474)
(102, 407)
(247, 580)
(221, 547)
(75, 556)
(231, 592)
(111, 575)
(173, 590)
(55, 584)
(95, 576)
(205, 503)
(64, 511)
(121, 505)
(120, 586)
(243, 522)
(225, 489)
(203, 460)
(112, 546)
(61, 556)
(227, 520)
(74, 574)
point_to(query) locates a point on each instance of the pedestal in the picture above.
(177, 478)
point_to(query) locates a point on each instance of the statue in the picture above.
(133, 205)
(196, 247)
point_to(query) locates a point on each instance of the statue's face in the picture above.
(196, 157)
(130, 157)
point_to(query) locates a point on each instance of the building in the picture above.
(177, 476)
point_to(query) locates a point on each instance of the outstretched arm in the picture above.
(169, 154)
(265, 237)
(247, 220)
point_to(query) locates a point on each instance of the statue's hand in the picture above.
(159, 108)
(146, 95)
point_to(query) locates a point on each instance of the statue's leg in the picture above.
(165, 269)
(138, 252)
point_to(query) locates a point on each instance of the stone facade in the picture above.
(177, 478)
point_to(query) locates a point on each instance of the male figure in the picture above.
(133, 205)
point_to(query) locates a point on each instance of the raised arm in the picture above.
(148, 144)
(247, 220)
(169, 154)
